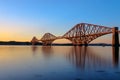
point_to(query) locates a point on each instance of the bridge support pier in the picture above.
(115, 44)
(115, 37)
(47, 43)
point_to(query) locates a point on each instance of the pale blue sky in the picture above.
(24, 19)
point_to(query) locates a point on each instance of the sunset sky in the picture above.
(20, 20)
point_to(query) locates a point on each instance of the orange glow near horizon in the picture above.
(10, 31)
(13, 36)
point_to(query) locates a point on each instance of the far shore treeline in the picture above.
(56, 44)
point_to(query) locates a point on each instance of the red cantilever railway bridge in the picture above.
(82, 33)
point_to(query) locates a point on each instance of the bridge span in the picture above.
(82, 33)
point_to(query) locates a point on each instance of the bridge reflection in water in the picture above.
(47, 50)
(115, 56)
(83, 56)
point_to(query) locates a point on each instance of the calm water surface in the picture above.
(59, 63)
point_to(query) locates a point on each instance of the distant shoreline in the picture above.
(55, 44)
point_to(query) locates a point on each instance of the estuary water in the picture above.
(59, 63)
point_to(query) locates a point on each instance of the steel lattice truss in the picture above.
(48, 38)
(82, 33)
(34, 40)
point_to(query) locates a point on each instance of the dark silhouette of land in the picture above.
(54, 44)
(14, 43)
